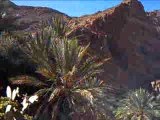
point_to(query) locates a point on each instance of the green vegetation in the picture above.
(10, 108)
(139, 105)
(70, 73)
(68, 87)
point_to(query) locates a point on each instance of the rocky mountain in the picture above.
(125, 33)
(4, 4)
(130, 37)
(26, 18)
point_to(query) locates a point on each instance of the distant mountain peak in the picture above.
(4, 4)
(135, 7)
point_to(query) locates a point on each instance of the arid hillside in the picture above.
(26, 18)
(125, 33)
(129, 36)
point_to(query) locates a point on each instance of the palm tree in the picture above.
(138, 105)
(70, 73)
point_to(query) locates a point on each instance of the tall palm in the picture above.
(70, 73)
(138, 105)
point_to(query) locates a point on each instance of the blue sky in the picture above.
(83, 7)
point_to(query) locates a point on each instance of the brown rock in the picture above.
(128, 35)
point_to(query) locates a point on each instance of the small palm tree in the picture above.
(138, 105)
(70, 73)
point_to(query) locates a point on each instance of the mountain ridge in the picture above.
(125, 33)
(129, 30)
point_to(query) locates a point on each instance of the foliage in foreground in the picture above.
(71, 89)
(139, 105)
(70, 74)
(10, 109)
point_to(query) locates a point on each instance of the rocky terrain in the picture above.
(130, 36)
(125, 33)
(26, 18)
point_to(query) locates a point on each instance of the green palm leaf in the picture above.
(138, 105)
(70, 68)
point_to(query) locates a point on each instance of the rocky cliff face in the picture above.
(130, 36)
(125, 33)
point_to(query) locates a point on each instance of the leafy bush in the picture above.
(10, 109)
(4, 101)
(70, 72)
(12, 58)
(138, 105)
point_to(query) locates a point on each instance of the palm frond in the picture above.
(59, 26)
(139, 104)
(38, 49)
(70, 68)
(27, 81)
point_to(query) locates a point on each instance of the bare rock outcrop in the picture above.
(128, 35)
